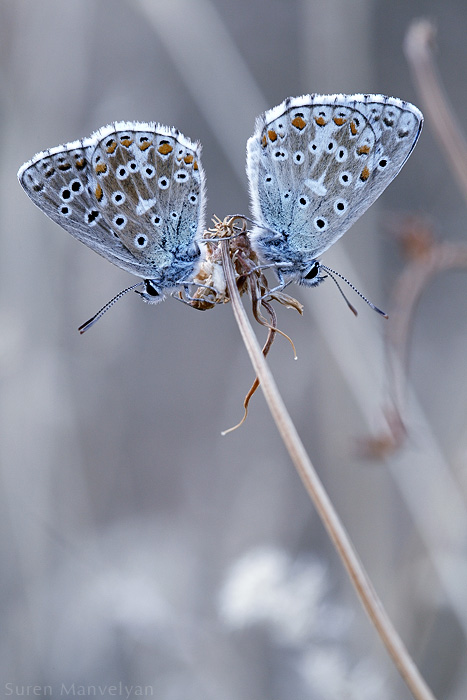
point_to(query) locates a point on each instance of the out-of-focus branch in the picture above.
(425, 263)
(426, 258)
(418, 50)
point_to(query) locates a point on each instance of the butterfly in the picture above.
(315, 164)
(133, 192)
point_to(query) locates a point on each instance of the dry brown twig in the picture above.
(312, 483)
(426, 258)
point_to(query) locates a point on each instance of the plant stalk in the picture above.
(319, 497)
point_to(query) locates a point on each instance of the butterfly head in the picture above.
(151, 293)
(310, 276)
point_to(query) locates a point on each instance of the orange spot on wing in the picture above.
(80, 163)
(321, 121)
(363, 150)
(339, 121)
(272, 135)
(299, 123)
(365, 174)
(264, 141)
(101, 168)
(195, 165)
(353, 128)
(188, 159)
(111, 147)
(126, 142)
(98, 192)
(64, 166)
(165, 149)
(144, 145)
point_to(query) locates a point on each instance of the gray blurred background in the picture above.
(138, 546)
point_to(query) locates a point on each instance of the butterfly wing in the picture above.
(150, 185)
(315, 163)
(78, 186)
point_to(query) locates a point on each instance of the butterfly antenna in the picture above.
(344, 279)
(86, 326)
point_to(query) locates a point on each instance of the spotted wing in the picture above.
(73, 183)
(316, 163)
(150, 187)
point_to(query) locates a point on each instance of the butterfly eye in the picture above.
(312, 273)
(151, 289)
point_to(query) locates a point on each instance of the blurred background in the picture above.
(139, 548)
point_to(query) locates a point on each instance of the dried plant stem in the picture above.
(318, 495)
(418, 49)
(408, 289)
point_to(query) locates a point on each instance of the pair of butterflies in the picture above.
(135, 192)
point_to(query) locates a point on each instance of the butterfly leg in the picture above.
(282, 283)
(187, 298)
